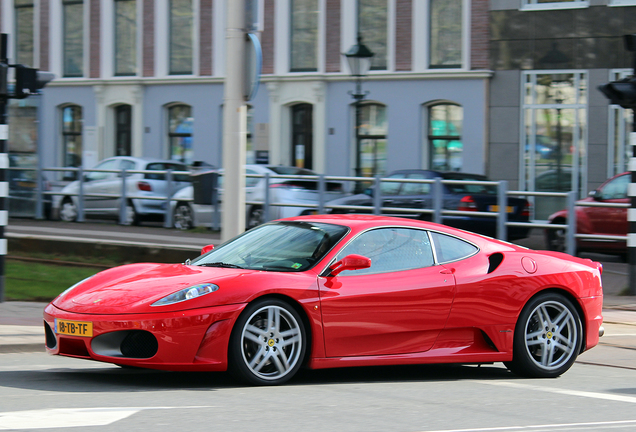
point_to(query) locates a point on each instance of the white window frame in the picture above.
(574, 4)
(622, 3)
(162, 41)
(581, 178)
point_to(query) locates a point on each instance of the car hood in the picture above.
(134, 288)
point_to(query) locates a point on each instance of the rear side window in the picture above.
(162, 166)
(477, 189)
(450, 248)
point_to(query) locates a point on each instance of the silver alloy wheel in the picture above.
(271, 342)
(551, 335)
(183, 218)
(68, 212)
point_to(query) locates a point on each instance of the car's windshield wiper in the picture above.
(220, 264)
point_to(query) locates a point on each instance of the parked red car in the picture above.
(596, 220)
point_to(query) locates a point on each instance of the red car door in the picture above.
(398, 305)
(609, 220)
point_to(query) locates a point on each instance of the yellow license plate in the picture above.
(495, 208)
(74, 328)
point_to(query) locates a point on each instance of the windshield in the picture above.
(282, 246)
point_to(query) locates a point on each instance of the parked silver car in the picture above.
(106, 189)
(297, 191)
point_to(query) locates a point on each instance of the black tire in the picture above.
(183, 217)
(255, 218)
(547, 338)
(268, 343)
(68, 210)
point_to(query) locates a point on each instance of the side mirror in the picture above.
(350, 262)
(595, 194)
(206, 249)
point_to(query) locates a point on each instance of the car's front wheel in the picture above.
(183, 218)
(68, 210)
(268, 343)
(547, 338)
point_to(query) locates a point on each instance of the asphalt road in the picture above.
(40, 391)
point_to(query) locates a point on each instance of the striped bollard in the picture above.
(631, 212)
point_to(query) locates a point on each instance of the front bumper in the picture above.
(190, 340)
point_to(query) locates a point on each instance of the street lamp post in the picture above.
(359, 59)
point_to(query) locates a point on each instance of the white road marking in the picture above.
(551, 427)
(593, 395)
(71, 417)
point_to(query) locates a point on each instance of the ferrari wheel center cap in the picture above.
(549, 335)
(271, 342)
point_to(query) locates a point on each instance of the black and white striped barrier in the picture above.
(631, 213)
(4, 191)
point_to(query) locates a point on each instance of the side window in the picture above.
(616, 189)
(160, 166)
(392, 188)
(416, 188)
(450, 248)
(106, 165)
(126, 164)
(390, 250)
(251, 181)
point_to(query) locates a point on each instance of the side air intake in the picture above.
(494, 261)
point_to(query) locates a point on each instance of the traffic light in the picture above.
(29, 80)
(622, 92)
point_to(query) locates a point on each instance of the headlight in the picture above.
(187, 294)
(67, 290)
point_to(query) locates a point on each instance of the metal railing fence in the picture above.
(437, 210)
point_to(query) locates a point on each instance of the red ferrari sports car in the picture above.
(335, 291)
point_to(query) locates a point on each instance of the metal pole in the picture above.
(4, 166)
(80, 196)
(631, 212)
(438, 200)
(123, 200)
(167, 223)
(234, 124)
(266, 200)
(570, 240)
(502, 216)
(321, 194)
(377, 196)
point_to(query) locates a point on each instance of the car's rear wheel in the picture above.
(547, 338)
(268, 343)
(132, 217)
(68, 210)
(183, 218)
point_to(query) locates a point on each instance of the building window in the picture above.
(73, 39)
(123, 132)
(181, 37)
(373, 27)
(371, 140)
(554, 137)
(180, 133)
(125, 37)
(72, 135)
(24, 31)
(445, 137)
(304, 36)
(620, 126)
(446, 33)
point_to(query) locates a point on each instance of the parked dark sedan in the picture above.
(465, 197)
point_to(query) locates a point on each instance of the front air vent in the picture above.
(494, 261)
(51, 341)
(137, 344)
